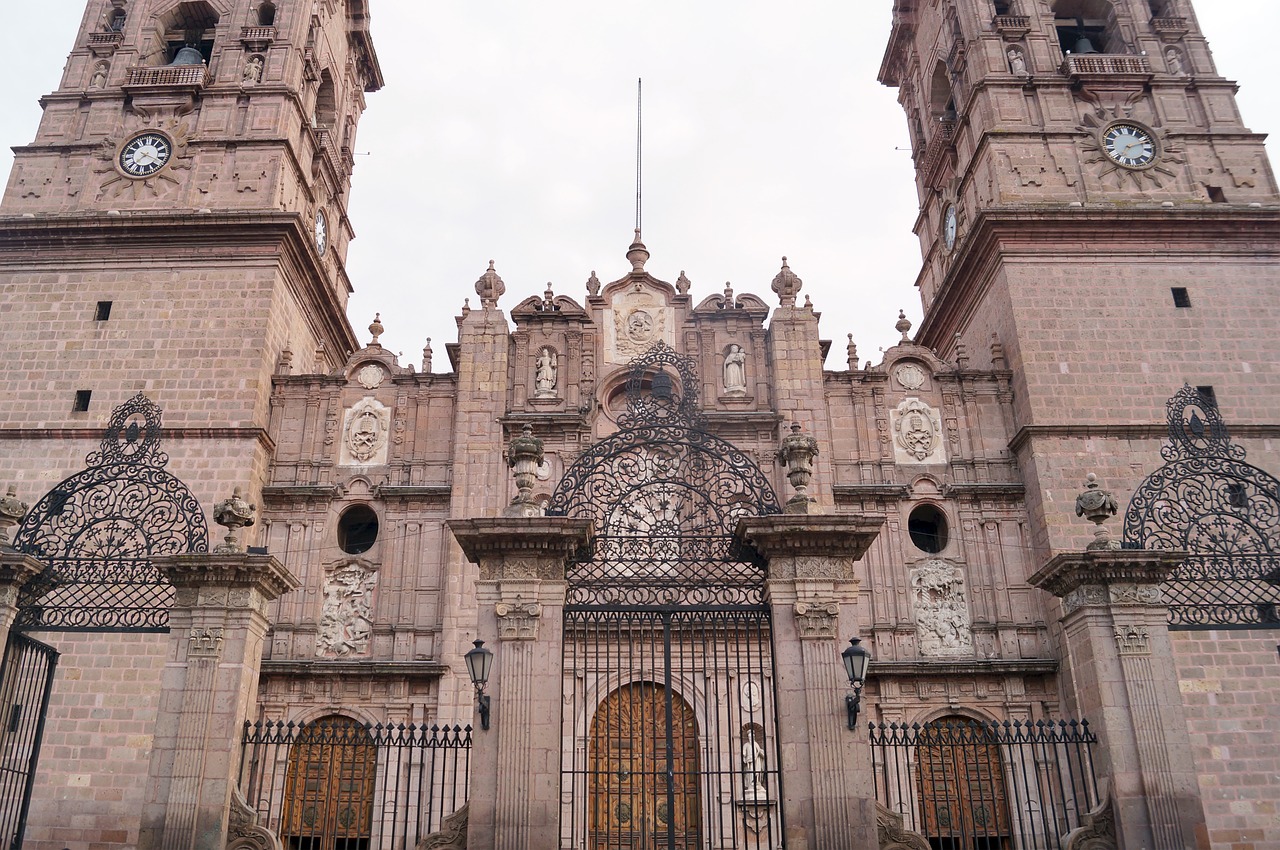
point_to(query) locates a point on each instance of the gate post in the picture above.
(828, 786)
(208, 688)
(16, 571)
(1120, 669)
(520, 596)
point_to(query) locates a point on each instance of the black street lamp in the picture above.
(479, 663)
(856, 661)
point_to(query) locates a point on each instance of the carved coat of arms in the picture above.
(364, 438)
(917, 433)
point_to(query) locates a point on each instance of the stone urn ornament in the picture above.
(12, 511)
(524, 456)
(1097, 505)
(233, 514)
(796, 455)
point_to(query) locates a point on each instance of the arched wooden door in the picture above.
(329, 787)
(963, 799)
(641, 735)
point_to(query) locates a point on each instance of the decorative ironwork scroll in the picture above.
(97, 531)
(664, 497)
(1207, 501)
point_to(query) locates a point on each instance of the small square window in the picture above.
(81, 404)
(1216, 195)
(1208, 396)
(1180, 296)
(104, 311)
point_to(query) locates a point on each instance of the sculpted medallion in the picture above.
(364, 434)
(639, 321)
(910, 376)
(917, 433)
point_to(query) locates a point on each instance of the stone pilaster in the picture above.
(520, 595)
(208, 688)
(1122, 677)
(16, 571)
(829, 799)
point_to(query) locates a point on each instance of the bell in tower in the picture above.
(188, 55)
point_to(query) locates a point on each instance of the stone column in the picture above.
(208, 688)
(1120, 671)
(515, 764)
(829, 792)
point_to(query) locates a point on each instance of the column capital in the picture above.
(807, 542)
(521, 547)
(1067, 573)
(241, 570)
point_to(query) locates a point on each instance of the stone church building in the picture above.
(607, 578)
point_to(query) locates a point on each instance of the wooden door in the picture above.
(329, 787)
(962, 790)
(632, 804)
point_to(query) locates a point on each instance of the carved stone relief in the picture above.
(1133, 640)
(910, 376)
(1135, 594)
(942, 611)
(817, 619)
(518, 620)
(346, 619)
(917, 433)
(371, 376)
(1083, 596)
(639, 320)
(364, 433)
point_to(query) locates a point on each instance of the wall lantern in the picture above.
(479, 663)
(856, 661)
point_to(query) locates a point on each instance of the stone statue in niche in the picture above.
(545, 375)
(346, 620)
(365, 433)
(753, 778)
(1017, 62)
(1174, 60)
(917, 431)
(942, 612)
(253, 70)
(99, 76)
(735, 371)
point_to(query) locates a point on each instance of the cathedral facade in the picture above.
(604, 574)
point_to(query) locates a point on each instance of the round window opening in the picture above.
(357, 530)
(928, 528)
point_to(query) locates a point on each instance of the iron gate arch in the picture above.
(667, 639)
(97, 530)
(1206, 500)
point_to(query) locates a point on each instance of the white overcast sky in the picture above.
(506, 131)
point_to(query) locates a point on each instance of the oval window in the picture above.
(357, 529)
(928, 529)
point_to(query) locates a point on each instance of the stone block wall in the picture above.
(1230, 683)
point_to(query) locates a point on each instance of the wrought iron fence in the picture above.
(1225, 591)
(340, 784)
(26, 680)
(96, 594)
(966, 784)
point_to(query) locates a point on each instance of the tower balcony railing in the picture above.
(1170, 25)
(935, 152)
(176, 76)
(1105, 64)
(258, 36)
(109, 40)
(1012, 26)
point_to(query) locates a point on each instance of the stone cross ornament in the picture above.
(232, 514)
(1097, 505)
(796, 455)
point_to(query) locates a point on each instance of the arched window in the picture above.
(192, 24)
(116, 21)
(329, 787)
(326, 112)
(267, 14)
(1086, 26)
(942, 105)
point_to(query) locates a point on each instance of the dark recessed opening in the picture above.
(267, 15)
(1208, 396)
(104, 311)
(1216, 195)
(81, 404)
(1003, 7)
(357, 529)
(1180, 296)
(928, 529)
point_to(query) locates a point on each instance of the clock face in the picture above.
(322, 231)
(949, 227)
(145, 154)
(1129, 145)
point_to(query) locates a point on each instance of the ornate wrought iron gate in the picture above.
(668, 660)
(26, 680)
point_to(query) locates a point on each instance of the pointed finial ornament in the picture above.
(376, 329)
(637, 254)
(524, 456)
(962, 353)
(426, 356)
(1097, 505)
(683, 284)
(903, 326)
(786, 285)
(728, 295)
(490, 287)
(852, 350)
(466, 307)
(232, 514)
(593, 284)
(796, 455)
(997, 353)
(548, 298)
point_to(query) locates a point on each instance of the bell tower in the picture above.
(1092, 200)
(178, 226)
